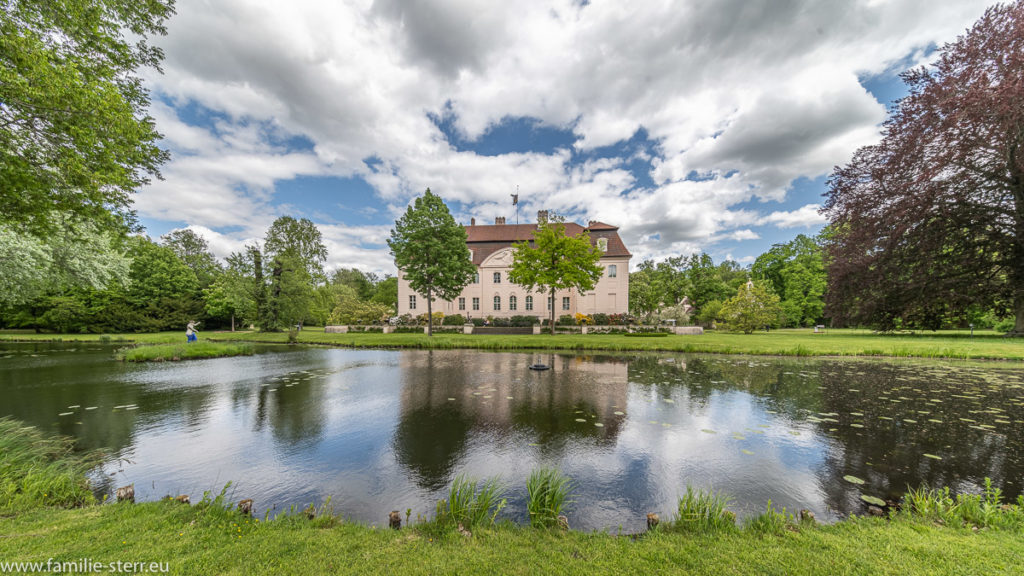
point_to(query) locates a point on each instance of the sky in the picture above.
(693, 126)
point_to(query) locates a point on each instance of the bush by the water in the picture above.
(163, 352)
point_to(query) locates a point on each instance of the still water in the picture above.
(379, 430)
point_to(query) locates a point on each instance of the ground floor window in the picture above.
(462, 303)
(513, 302)
(476, 303)
(412, 302)
(529, 302)
(549, 302)
(497, 302)
(565, 303)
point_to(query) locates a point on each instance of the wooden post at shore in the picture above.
(395, 520)
(652, 521)
(126, 493)
(245, 507)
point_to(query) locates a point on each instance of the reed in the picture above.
(548, 494)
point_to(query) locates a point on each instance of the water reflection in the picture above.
(379, 430)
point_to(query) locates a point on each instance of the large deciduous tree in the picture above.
(796, 272)
(555, 261)
(194, 251)
(931, 220)
(753, 307)
(302, 239)
(75, 138)
(430, 251)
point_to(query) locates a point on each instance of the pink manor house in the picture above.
(490, 293)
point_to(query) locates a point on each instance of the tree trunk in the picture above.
(1018, 326)
(430, 315)
(551, 320)
(232, 322)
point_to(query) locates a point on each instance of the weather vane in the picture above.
(515, 202)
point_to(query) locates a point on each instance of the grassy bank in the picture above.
(203, 539)
(174, 352)
(945, 344)
(933, 535)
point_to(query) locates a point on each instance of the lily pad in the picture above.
(872, 500)
(598, 424)
(933, 456)
(853, 480)
(706, 431)
(581, 420)
(747, 452)
(619, 413)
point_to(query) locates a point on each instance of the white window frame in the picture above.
(462, 303)
(565, 303)
(412, 301)
(476, 303)
(513, 303)
(529, 303)
(613, 271)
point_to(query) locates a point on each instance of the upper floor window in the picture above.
(602, 244)
(497, 277)
(476, 278)
(497, 302)
(412, 301)
(613, 270)
(513, 302)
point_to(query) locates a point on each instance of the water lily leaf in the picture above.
(748, 452)
(619, 413)
(853, 479)
(65, 414)
(872, 500)
(598, 424)
(933, 456)
(738, 436)
(451, 399)
(856, 425)
(581, 420)
(706, 431)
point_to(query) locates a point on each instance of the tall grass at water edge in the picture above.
(471, 503)
(38, 469)
(548, 494)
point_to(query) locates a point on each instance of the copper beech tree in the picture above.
(930, 222)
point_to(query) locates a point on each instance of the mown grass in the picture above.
(212, 537)
(985, 345)
(173, 352)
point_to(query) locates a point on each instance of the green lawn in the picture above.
(198, 540)
(802, 342)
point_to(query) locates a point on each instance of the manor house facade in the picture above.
(490, 293)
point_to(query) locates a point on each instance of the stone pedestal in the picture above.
(467, 328)
(335, 329)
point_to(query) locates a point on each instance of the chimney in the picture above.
(591, 223)
(499, 220)
(542, 216)
(472, 221)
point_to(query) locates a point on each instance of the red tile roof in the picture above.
(488, 239)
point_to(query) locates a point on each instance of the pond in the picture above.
(378, 430)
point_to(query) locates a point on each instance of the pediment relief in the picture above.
(500, 259)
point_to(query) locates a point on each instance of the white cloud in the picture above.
(752, 95)
(803, 217)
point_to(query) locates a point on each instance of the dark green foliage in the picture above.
(301, 241)
(38, 469)
(796, 272)
(453, 320)
(430, 250)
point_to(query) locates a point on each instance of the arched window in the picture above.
(512, 302)
(529, 302)
(497, 302)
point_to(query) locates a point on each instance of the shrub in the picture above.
(454, 320)
(601, 319)
(478, 321)
(565, 320)
(524, 321)
(1004, 325)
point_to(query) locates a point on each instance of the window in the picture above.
(549, 302)
(529, 302)
(462, 303)
(412, 301)
(565, 303)
(602, 244)
(613, 271)
(512, 302)
(476, 303)
(497, 277)
(476, 278)
(497, 302)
